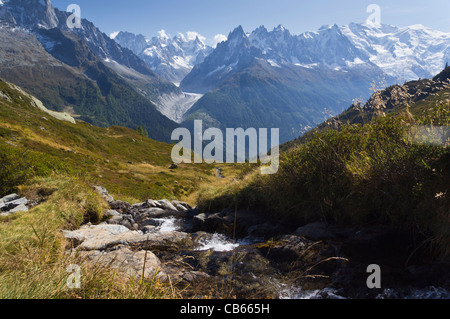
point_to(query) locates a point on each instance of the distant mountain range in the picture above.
(171, 58)
(277, 79)
(270, 79)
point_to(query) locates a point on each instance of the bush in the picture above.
(359, 175)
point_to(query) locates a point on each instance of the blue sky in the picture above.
(213, 17)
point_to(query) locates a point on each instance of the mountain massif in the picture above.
(81, 71)
(293, 82)
(263, 79)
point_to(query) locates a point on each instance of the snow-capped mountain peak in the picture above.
(401, 53)
(171, 57)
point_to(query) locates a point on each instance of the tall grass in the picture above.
(33, 258)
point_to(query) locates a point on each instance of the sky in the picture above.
(214, 19)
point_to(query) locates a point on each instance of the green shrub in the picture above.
(359, 175)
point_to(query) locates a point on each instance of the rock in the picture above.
(19, 209)
(166, 205)
(121, 207)
(165, 241)
(128, 262)
(183, 204)
(199, 220)
(139, 206)
(180, 208)
(153, 212)
(111, 213)
(173, 166)
(88, 232)
(124, 220)
(9, 198)
(152, 204)
(101, 242)
(102, 191)
(296, 252)
(13, 204)
(102, 237)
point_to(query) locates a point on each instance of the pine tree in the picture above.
(446, 66)
(141, 131)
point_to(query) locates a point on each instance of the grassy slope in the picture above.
(120, 159)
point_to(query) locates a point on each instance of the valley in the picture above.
(90, 187)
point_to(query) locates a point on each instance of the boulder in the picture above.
(77, 237)
(121, 207)
(19, 209)
(184, 205)
(166, 205)
(128, 262)
(9, 198)
(105, 242)
(111, 213)
(124, 220)
(102, 237)
(152, 203)
(12, 204)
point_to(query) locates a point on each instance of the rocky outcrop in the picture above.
(13, 204)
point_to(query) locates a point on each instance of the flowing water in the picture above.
(217, 242)
(221, 243)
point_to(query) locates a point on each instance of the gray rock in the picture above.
(139, 206)
(121, 207)
(15, 203)
(124, 220)
(166, 205)
(102, 237)
(180, 208)
(152, 203)
(19, 209)
(9, 198)
(20, 201)
(152, 212)
(199, 220)
(90, 232)
(177, 203)
(128, 262)
(111, 213)
(102, 191)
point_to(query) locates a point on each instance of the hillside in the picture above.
(120, 159)
(81, 71)
(414, 98)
